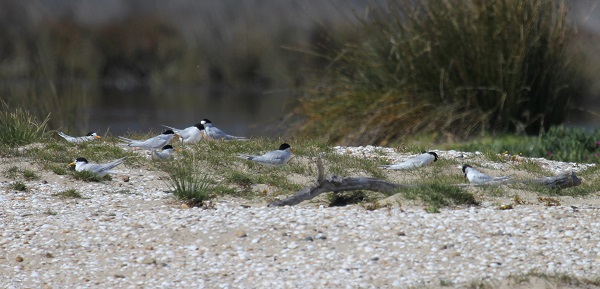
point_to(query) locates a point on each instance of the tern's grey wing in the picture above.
(194, 135)
(163, 155)
(503, 178)
(72, 139)
(408, 164)
(65, 136)
(127, 140)
(153, 143)
(217, 134)
(247, 157)
(400, 166)
(187, 132)
(273, 157)
(102, 169)
(478, 177)
(108, 166)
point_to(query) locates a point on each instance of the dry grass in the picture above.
(440, 68)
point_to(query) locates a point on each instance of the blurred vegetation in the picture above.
(228, 47)
(19, 127)
(396, 70)
(447, 69)
(559, 143)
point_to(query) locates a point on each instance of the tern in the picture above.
(415, 162)
(213, 133)
(192, 134)
(166, 153)
(153, 143)
(274, 158)
(476, 177)
(81, 164)
(79, 139)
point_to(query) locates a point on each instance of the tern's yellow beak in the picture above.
(98, 136)
(72, 164)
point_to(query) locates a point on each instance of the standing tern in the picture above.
(166, 153)
(273, 158)
(79, 139)
(415, 162)
(476, 177)
(213, 133)
(81, 164)
(153, 143)
(192, 134)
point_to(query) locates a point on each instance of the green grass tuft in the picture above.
(188, 183)
(19, 186)
(70, 193)
(19, 127)
(437, 195)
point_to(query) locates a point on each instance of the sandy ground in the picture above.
(133, 234)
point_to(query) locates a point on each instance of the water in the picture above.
(239, 113)
(79, 108)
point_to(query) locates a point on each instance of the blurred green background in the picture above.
(354, 72)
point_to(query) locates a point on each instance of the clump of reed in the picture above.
(19, 127)
(443, 68)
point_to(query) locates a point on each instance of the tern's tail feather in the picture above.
(400, 166)
(115, 163)
(497, 179)
(246, 157)
(172, 128)
(62, 135)
(128, 140)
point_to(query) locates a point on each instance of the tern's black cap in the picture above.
(284, 146)
(435, 156)
(464, 168)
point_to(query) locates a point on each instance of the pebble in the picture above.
(108, 239)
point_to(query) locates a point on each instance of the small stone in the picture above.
(185, 206)
(147, 261)
(401, 234)
(19, 259)
(240, 234)
(149, 247)
(124, 178)
(320, 236)
(309, 239)
(119, 276)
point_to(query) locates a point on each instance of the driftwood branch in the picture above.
(320, 169)
(334, 183)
